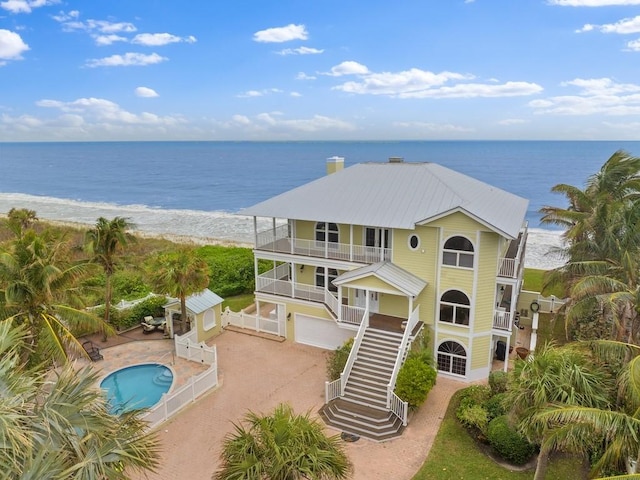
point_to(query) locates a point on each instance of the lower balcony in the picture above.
(311, 293)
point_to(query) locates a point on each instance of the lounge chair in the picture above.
(92, 350)
(150, 324)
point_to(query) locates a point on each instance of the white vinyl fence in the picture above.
(252, 322)
(172, 403)
(196, 386)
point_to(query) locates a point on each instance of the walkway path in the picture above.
(257, 374)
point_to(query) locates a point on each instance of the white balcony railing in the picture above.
(501, 320)
(279, 241)
(269, 283)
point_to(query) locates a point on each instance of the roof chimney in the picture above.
(334, 164)
(396, 160)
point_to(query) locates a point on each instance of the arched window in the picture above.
(452, 358)
(455, 307)
(458, 251)
(332, 274)
(327, 232)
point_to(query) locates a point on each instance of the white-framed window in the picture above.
(209, 319)
(458, 252)
(327, 232)
(377, 237)
(452, 358)
(455, 308)
(322, 280)
(414, 241)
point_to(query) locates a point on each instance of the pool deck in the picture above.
(257, 374)
(134, 347)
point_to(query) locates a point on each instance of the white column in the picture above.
(339, 312)
(506, 354)
(351, 242)
(255, 230)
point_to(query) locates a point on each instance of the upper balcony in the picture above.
(510, 266)
(279, 240)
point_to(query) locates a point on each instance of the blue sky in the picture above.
(319, 70)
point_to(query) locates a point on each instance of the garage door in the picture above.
(319, 332)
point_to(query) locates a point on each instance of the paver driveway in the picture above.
(257, 374)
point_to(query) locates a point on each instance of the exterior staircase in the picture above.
(362, 410)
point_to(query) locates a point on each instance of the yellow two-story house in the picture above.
(394, 247)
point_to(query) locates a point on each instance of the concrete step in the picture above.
(356, 419)
(365, 399)
(375, 375)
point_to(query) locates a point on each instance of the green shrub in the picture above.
(131, 317)
(507, 442)
(231, 269)
(128, 285)
(498, 381)
(415, 380)
(338, 359)
(495, 406)
(474, 417)
(474, 395)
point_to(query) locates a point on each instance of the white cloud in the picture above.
(593, 3)
(600, 96)
(258, 93)
(300, 51)
(304, 76)
(25, 6)
(316, 123)
(511, 121)
(624, 26)
(102, 110)
(93, 119)
(432, 127)
(66, 16)
(634, 45)
(348, 68)
(103, 40)
(146, 92)
(126, 60)
(11, 46)
(159, 39)
(281, 34)
(417, 83)
(295, 94)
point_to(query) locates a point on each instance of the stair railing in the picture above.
(402, 350)
(344, 376)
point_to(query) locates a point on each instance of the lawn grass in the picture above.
(455, 455)
(238, 302)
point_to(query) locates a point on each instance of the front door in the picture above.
(361, 300)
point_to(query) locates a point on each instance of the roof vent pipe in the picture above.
(396, 159)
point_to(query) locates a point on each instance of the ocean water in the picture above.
(194, 189)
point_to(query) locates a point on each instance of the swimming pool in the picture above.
(137, 386)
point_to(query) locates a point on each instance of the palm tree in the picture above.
(617, 426)
(282, 446)
(553, 375)
(57, 425)
(602, 245)
(39, 289)
(103, 243)
(179, 274)
(20, 219)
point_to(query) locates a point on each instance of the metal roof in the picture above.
(396, 195)
(388, 272)
(199, 302)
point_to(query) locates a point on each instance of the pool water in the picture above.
(138, 386)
